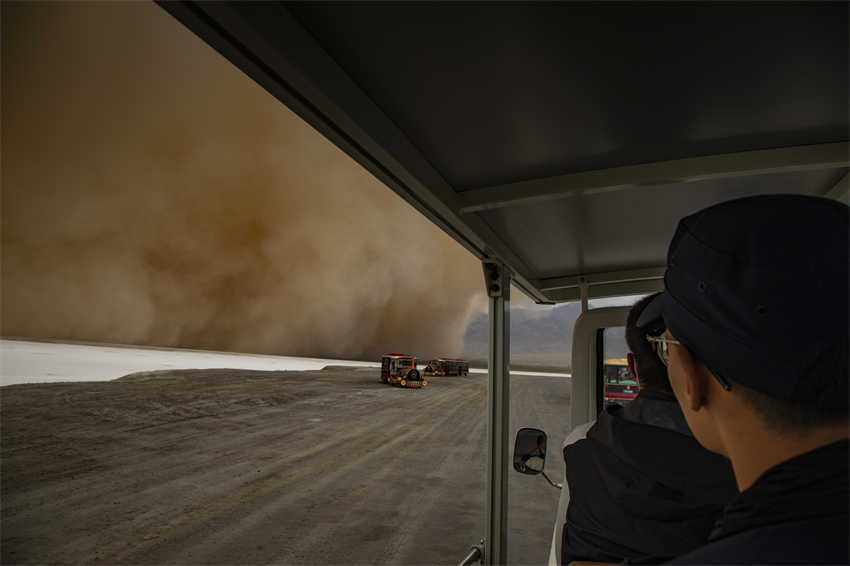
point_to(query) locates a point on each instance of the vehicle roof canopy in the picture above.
(565, 140)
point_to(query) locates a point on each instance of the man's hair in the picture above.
(653, 373)
(813, 406)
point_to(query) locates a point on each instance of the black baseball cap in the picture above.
(757, 289)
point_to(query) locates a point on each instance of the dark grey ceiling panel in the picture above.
(629, 229)
(496, 93)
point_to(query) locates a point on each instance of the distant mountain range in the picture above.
(541, 338)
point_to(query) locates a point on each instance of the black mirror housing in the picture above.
(530, 451)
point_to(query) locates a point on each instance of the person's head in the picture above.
(756, 294)
(643, 361)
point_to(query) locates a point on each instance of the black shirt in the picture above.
(794, 513)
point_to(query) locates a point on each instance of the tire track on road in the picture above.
(323, 491)
(341, 540)
(344, 447)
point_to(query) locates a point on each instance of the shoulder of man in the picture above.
(659, 490)
(648, 448)
(578, 433)
(813, 541)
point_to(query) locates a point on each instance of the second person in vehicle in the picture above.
(639, 485)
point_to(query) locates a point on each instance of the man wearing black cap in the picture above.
(639, 485)
(753, 326)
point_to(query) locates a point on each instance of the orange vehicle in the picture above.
(400, 369)
(447, 366)
(620, 385)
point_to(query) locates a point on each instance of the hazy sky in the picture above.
(153, 194)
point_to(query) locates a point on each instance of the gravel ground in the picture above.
(256, 467)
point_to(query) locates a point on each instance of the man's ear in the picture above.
(696, 386)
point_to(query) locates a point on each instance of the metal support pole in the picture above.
(497, 280)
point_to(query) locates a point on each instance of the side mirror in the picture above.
(530, 451)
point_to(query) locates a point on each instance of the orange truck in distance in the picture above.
(400, 369)
(620, 385)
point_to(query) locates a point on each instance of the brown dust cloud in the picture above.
(152, 194)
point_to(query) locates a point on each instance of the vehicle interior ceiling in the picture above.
(562, 140)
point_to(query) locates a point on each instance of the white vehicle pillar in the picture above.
(497, 279)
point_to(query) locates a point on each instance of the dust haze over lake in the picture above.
(153, 194)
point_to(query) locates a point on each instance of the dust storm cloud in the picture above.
(152, 194)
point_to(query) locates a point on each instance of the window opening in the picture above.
(618, 385)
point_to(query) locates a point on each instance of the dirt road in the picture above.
(250, 467)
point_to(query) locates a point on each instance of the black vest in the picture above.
(639, 489)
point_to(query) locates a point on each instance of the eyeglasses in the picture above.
(662, 347)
